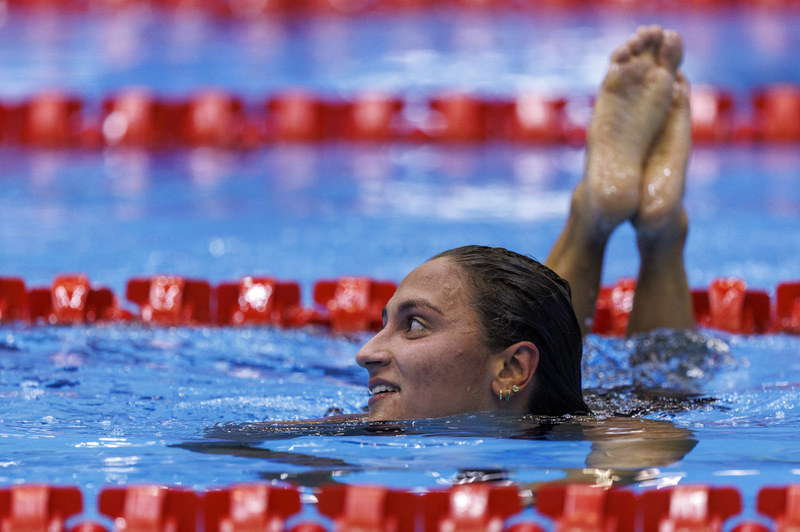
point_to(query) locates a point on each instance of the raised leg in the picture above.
(662, 297)
(630, 110)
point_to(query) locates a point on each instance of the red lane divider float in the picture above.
(249, 507)
(259, 301)
(782, 504)
(613, 308)
(348, 304)
(151, 507)
(368, 507)
(34, 507)
(171, 300)
(713, 116)
(70, 299)
(461, 508)
(585, 507)
(727, 305)
(353, 303)
(730, 306)
(139, 118)
(49, 119)
(470, 507)
(777, 113)
(787, 306)
(13, 299)
(689, 508)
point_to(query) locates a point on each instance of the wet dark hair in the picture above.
(519, 299)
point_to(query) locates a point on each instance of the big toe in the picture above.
(671, 50)
(647, 40)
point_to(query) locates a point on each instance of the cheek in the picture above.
(425, 366)
(446, 373)
(427, 372)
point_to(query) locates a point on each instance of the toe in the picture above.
(671, 50)
(648, 40)
(622, 54)
(681, 90)
(638, 41)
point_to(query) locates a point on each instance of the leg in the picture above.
(631, 107)
(662, 297)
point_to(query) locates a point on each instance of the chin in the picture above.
(379, 415)
(385, 415)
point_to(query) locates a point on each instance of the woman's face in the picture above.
(429, 359)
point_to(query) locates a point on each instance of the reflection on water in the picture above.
(204, 406)
(619, 450)
(424, 50)
(354, 209)
(665, 374)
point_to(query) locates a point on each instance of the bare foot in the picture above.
(633, 101)
(663, 297)
(630, 112)
(660, 216)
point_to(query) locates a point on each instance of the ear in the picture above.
(516, 367)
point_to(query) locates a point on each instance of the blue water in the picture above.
(120, 404)
(414, 53)
(125, 404)
(312, 212)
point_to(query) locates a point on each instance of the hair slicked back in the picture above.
(517, 298)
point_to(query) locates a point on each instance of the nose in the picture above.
(374, 353)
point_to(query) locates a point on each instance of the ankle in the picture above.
(594, 229)
(668, 237)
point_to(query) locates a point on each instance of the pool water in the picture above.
(308, 212)
(124, 404)
(193, 406)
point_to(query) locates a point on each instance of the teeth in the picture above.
(381, 388)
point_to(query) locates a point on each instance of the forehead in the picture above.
(439, 282)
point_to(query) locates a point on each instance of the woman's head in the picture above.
(466, 329)
(520, 299)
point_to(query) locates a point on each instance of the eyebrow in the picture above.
(405, 306)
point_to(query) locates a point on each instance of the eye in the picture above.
(414, 325)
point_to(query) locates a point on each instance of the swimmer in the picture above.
(479, 329)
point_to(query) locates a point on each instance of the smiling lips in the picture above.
(379, 391)
(381, 388)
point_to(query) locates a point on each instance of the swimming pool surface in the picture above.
(125, 403)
